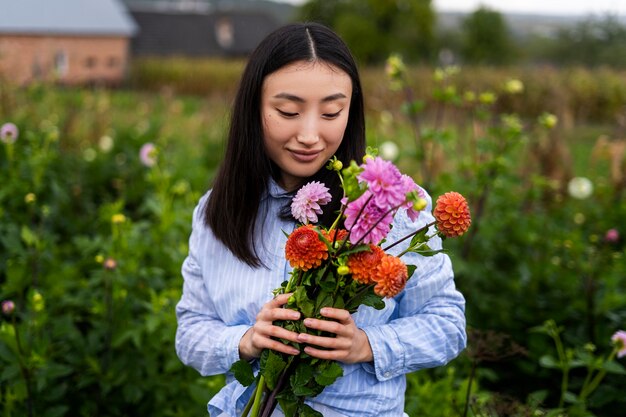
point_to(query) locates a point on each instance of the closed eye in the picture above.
(331, 115)
(286, 114)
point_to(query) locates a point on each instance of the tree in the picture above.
(373, 29)
(486, 38)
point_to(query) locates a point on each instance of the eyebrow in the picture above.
(297, 99)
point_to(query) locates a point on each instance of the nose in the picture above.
(308, 134)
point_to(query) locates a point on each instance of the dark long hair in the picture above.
(243, 177)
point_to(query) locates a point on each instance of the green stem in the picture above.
(257, 397)
(588, 389)
(409, 235)
(24, 370)
(563, 361)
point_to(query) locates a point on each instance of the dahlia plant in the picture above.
(344, 268)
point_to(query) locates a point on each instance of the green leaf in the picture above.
(614, 368)
(547, 361)
(289, 403)
(419, 237)
(303, 302)
(272, 368)
(242, 370)
(302, 375)
(322, 300)
(306, 411)
(328, 373)
(411, 269)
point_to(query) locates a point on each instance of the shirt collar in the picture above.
(276, 191)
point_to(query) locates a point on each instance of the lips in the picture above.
(305, 156)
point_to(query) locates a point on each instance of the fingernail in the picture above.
(324, 311)
(302, 337)
(294, 316)
(307, 322)
(295, 352)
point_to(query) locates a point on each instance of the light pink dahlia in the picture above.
(306, 205)
(385, 182)
(147, 154)
(9, 133)
(619, 339)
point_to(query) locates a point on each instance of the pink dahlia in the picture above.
(9, 133)
(619, 339)
(366, 221)
(306, 205)
(412, 210)
(385, 182)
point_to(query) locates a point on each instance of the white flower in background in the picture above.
(105, 143)
(580, 188)
(389, 150)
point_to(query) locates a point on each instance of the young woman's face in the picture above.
(305, 109)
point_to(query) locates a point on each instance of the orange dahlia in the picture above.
(390, 276)
(362, 264)
(452, 214)
(342, 235)
(304, 249)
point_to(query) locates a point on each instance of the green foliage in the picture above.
(91, 244)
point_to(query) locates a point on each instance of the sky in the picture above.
(550, 7)
(558, 7)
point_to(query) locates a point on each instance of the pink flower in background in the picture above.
(611, 236)
(9, 133)
(306, 205)
(385, 182)
(8, 307)
(147, 154)
(619, 339)
(110, 264)
(367, 222)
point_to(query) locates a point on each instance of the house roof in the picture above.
(67, 17)
(168, 33)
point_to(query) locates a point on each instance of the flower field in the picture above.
(98, 188)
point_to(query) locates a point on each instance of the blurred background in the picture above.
(113, 116)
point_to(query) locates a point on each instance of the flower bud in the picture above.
(337, 165)
(343, 270)
(548, 120)
(420, 204)
(118, 218)
(30, 198)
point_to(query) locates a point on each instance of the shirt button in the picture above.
(387, 374)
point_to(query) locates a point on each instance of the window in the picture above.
(91, 62)
(113, 62)
(61, 64)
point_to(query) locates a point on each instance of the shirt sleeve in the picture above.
(203, 341)
(429, 326)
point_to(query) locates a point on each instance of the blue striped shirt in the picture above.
(422, 327)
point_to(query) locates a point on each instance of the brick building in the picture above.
(67, 41)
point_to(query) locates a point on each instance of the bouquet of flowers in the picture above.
(343, 268)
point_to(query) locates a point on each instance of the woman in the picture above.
(299, 103)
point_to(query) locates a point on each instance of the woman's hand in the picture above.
(350, 345)
(259, 336)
